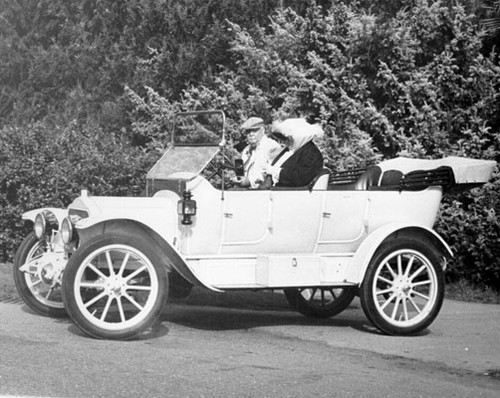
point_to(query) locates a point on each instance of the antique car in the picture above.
(112, 262)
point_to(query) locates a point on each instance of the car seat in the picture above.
(391, 178)
(320, 182)
(369, 178)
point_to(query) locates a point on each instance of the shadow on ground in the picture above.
(207, 310)
(223, 319)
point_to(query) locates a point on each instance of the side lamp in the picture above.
(186, 207)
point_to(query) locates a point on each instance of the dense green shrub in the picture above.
(471, 225)
(44, 165)
(71, 58)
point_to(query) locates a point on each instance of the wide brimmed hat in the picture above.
(298, 130)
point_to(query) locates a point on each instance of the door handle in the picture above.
(228, 215)
(326, 214)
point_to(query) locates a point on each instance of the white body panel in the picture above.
(283, 238)
(303, 221)
(158, 213)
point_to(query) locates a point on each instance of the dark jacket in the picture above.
(301, 168)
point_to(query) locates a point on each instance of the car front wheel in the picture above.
(37, 275)
(115, 286)
(403, 288)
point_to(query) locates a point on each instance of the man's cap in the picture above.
(252, 123)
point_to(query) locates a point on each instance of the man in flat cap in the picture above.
(260, 151)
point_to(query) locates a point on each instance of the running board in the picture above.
(275, 271)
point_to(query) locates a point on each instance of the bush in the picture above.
(44, 165)
(470, 223)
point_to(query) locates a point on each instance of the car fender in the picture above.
(58, 213)
(372, 242)
(90, 227)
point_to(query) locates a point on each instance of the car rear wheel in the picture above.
(320, 302)
(403, 288)
(115, 286)
(39, 285)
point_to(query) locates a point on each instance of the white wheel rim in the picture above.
(116, 287)
(405, 288)
(41, 291)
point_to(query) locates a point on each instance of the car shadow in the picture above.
(60, 319)
(234, 315)
(224, 318)
(234, 310)
(156, 331)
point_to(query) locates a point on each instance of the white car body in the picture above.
(278, 238)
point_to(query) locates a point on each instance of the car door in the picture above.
(246, 216)
(343, 220)
(273, 221)
(294, 222)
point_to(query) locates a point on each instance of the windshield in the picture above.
(195, 143)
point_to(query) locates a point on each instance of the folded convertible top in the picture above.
(465, 170)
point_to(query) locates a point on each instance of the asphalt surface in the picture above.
(230, 352)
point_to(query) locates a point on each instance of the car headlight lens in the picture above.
(39, 226)
(67, 231)
(45, 224)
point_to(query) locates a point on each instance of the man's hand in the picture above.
(272, 170)
(241, 181)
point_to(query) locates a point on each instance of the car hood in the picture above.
(153, 212)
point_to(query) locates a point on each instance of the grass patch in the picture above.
(465, 291)
(7, 287)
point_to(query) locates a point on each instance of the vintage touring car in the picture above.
(111, 262)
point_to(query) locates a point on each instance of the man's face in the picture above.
(254, 135)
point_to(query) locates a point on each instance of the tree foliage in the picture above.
(70, 59)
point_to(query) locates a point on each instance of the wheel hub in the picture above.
(403, 287)
(48, 267)
(116, 287)
(47, 273)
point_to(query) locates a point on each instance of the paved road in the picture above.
(226, 352)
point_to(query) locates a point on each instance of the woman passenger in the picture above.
(305, 161)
